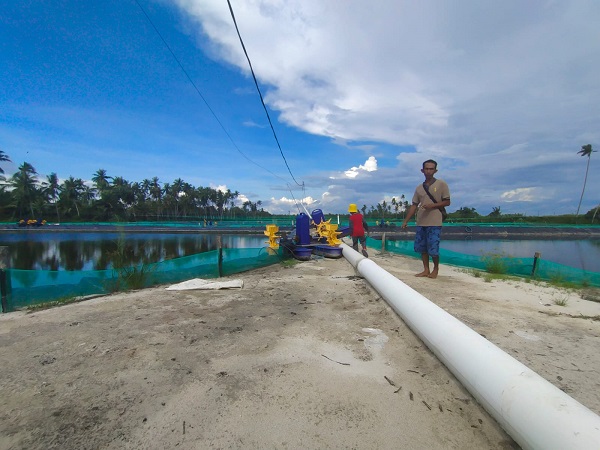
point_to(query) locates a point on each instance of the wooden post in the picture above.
(4, 278)
(535, 260)
(383, 243)
(220, 263)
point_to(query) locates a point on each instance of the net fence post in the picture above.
(220, 260)
(537, 256)
(4, 278)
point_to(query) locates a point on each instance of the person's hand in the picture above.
(404, 224)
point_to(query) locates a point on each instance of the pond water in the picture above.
(581, 254)
(99, 251)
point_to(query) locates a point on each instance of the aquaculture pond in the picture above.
(578, 253)
(99, 251)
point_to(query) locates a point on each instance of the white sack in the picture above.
(199, 283)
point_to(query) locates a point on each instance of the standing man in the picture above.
(429, 199)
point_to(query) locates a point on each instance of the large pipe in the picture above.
(535, 413)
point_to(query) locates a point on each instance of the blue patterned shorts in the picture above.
(427, 240)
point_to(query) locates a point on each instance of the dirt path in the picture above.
(306, 356)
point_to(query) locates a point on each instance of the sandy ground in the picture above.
(302, 357)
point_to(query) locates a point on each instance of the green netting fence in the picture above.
(521, 267)
(30, 287)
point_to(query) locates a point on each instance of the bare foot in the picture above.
(433, 274)
(422, 274)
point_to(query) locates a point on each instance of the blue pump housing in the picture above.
(318, 216)
(303, 229)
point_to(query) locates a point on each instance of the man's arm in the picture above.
(437, 205)
(409, 214)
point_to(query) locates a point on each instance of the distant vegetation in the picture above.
(465, 214)
(114, 199)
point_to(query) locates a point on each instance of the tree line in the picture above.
(24, 196)
(116, 199)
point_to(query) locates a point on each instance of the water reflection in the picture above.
(100, 251)
(581, 254)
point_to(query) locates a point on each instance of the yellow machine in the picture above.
(271, 231)
(329, 231)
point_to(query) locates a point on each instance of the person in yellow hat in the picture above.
(358, 228)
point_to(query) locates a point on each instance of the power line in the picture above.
(204, 99)
(260, 94)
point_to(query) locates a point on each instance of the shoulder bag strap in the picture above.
(429, 193)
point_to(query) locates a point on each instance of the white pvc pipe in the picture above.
(535, 413)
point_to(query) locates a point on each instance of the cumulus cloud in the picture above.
(519, 195)
(284, 205)
(495, 92)
(370, 165)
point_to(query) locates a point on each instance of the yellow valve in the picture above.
(271, 232)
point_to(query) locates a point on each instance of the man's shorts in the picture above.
(427, 240)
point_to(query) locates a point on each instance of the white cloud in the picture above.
(496, 92)
(370, 165)
(519, 195)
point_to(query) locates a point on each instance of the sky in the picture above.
(502, 94)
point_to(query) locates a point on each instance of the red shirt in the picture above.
(356, 225)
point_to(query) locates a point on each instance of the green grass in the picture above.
(127, 277)
(561, 301)
(585, 291)
(495, 262)
(53, 304)
(290, 262)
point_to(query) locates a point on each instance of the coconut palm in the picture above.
(51, 190)
(3, 157)
(25, 190)
(586, 150)
(72, 194)
(101, 180)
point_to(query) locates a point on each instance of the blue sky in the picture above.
(502, 94)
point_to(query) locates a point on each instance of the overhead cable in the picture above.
(259, 93)
(201, 96)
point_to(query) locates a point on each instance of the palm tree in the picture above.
(101, 180)
(3, 157)
(72, 193)
(495, 212)
(586, 150)
(51, 190)
(24, 183)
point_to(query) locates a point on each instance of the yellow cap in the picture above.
(352, 208)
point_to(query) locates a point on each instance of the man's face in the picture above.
(429, 170)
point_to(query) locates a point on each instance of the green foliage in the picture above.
(464, 213)
(495, 212)
(53, 304)
(495, 263)
(562, 301)
(114, 199)
(287, 263)
(127, 277)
